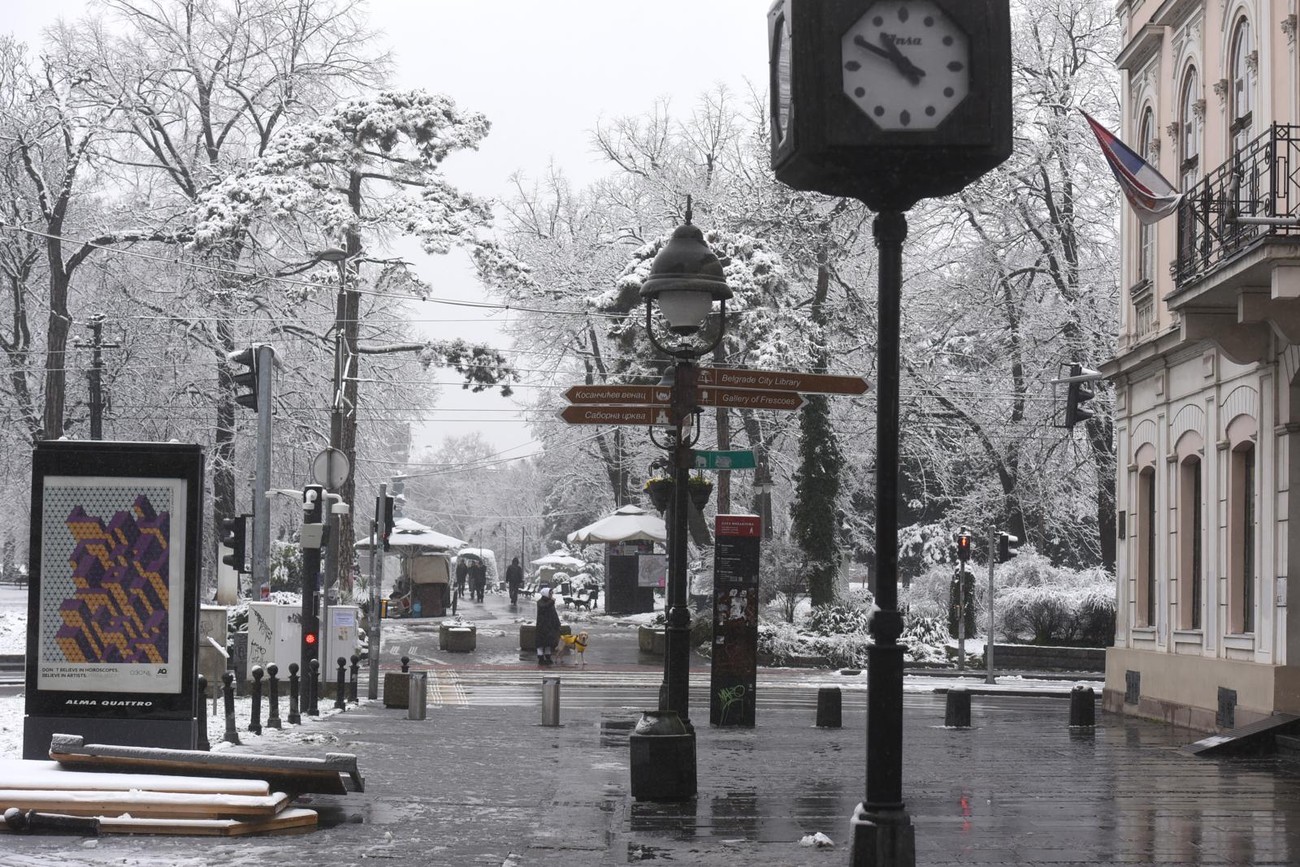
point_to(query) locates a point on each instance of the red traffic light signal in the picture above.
(963, 545)
(311, 635)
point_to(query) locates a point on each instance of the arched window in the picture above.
(1146, 559)
(1243, 529)
(1191, 573)
(1241, 93)
(1189, 140)
(1146, 234)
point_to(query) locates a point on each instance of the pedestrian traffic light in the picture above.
(246, 379)
(234, 536)
(1007, 544)
(386, 528)
(963, 545)
(1077, 394)
(311, 635)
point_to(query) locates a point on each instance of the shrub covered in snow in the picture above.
(839, 634)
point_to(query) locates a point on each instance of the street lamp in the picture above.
(685, 280)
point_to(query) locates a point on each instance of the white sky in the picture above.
(544, 73)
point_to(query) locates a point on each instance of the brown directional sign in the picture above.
(740, 398)
(781, 380)
(643, 415)
(618, 394)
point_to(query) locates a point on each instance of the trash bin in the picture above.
(663, 758)
(550, 701)
(418, 701)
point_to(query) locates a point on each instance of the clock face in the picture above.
(781, 79)
(905, 64)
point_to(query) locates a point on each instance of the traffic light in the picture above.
(246, 379)
(387, 521)
(234, 536)
(1077, 394)
(311, 635)
(1006, 544)
(963, 545)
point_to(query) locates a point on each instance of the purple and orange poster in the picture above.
(111, 556)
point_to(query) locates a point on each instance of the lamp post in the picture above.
(685, 280)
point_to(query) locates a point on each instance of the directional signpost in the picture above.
(733, 460)
(584, 394)
(642, 415)
(782, 380)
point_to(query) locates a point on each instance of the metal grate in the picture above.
(1260, 180)
(1226, 718)
(1132, 687)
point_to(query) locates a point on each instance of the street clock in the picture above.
(889, 101)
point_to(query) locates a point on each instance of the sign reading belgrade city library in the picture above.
(781, 380)
(643, 415)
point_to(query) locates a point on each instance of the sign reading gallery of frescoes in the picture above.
(733, 675)
(114, 594)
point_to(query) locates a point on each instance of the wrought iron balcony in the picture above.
(1250, 200)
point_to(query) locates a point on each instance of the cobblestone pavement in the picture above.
(481, 781)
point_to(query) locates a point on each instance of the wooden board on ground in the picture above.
(51, 776)
(169, 805)
(284, 773)
(292, 820)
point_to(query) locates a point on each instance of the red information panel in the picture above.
(734, 673)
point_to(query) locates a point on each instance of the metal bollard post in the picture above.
(228, 693)
(550, 701)
(313, 687)
(1083, 708)
(830, 707)
(352, 687)
(203, 743)
(295, 718)
(957, 713)
(340, 690)
(418, 702)
(273, 714)
(406, 664)
(255, 724)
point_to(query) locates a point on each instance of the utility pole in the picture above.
(97, 345)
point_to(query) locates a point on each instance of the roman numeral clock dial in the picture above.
(905, 64)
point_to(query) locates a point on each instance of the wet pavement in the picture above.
(481, 781)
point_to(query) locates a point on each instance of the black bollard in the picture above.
(313, 688)
(294, 717)
(273, 714)
(830, 707)
(352, 687)
(228, 693)
(406, 664)
(957, 714)
(340, 689)
(255, 724)
(203, 743)
(1083, 707)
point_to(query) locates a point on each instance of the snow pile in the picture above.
(820, 840)
(13, 632)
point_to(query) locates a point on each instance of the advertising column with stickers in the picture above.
(735, 620)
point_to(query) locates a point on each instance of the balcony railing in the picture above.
(1261, 183)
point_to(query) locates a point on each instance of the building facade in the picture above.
(1207, 372)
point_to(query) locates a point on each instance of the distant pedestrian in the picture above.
(514, 579)
(477, 579)
(462, 574)
(548, 627)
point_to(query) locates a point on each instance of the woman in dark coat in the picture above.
(548, 627)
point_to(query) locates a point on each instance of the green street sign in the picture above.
(738, 460)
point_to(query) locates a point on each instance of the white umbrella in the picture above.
(628, 524)
(412, 534)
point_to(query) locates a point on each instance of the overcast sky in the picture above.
(543, 73)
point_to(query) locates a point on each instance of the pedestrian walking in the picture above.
(548, 627)
(514, 579)
(478, 579)
(462, 574)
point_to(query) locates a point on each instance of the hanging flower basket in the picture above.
(660, 490)
(700, 490)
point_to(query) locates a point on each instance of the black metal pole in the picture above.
(677, 634)
(255, 718)
(295, 718)
(273, 685)
(883, 834)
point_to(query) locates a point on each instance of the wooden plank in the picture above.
(181, 805)
(33, 774)
(292, 820)
(284, 773)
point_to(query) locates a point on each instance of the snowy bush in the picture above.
(925, 638)
(1046, 604)
(839, 634)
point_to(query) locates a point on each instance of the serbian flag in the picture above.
(1152, 197)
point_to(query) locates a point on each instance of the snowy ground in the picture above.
(13, 619)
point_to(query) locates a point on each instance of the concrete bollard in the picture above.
(1083, 706)
(957, 713)
(830, 707)
(418, 700)
(550, 701)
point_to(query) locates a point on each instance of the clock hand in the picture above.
(913, 72)
(874, 49)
